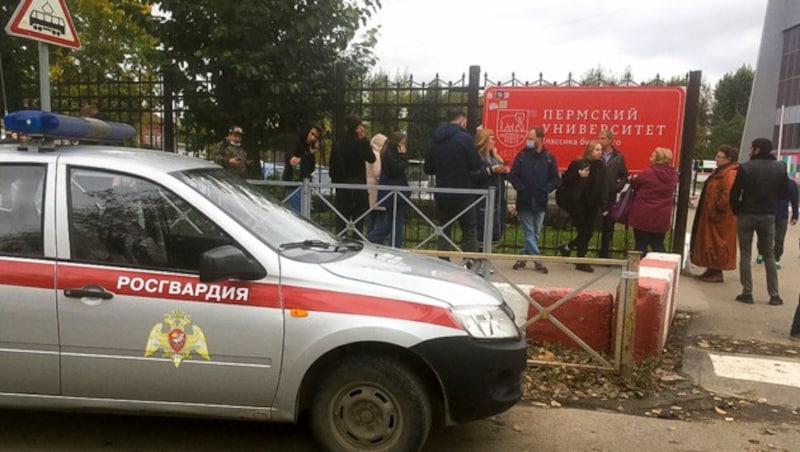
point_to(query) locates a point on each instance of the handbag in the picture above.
(622, 209)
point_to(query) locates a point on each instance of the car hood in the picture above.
(415, 273)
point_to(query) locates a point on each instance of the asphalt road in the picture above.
(523, 428)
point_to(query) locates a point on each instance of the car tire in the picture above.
(371, 403)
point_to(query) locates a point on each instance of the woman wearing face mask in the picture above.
(393, 172)
(583, 193)
(300, 163)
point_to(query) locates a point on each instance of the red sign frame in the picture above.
(50, 26)
(641, 119)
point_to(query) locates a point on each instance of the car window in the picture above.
(272, 223)
(21, 201)
(122, 219)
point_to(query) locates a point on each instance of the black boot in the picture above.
(584, 268)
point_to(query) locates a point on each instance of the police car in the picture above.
(149, 282)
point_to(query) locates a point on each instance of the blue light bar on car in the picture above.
(35, 122)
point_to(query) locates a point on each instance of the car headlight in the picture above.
(486, 322)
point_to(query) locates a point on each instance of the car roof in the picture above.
(115, 157)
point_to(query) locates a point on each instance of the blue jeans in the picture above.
(531, 227)
(294, 198)
(385, 226)
(763, 226)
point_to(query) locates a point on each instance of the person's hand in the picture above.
(603, 213)
(498, 168)
(294, 161)
(235, 161)
(584, 173)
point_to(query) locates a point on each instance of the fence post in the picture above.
(168, 142)
(488, 220)
(626, 316)
(305, 199)
(686, 160)
(473, 96)
(340, 85)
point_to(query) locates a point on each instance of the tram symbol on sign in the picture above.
(44, 20)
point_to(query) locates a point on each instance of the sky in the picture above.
(556, 37)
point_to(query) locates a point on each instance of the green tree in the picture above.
(267, 65)
(118, 49)
(731, 99)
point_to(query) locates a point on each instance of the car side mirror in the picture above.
(229, 262)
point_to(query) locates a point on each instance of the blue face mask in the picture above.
(530, 144)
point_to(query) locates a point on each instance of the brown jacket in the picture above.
(713, 243)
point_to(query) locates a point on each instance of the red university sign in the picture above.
(641, 119)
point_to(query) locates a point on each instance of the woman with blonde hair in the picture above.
(484, 141)
(651, 212)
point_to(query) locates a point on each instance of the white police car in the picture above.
(149, 282)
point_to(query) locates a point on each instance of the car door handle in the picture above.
(90, 291)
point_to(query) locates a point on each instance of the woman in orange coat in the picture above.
(713, 243)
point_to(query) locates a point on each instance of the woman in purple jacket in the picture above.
(651, 212)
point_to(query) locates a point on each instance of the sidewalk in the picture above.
(715, 312)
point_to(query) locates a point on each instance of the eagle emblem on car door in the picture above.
(177, 337)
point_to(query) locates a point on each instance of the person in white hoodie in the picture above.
(373, 176)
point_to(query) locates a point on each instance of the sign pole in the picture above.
(44, 76)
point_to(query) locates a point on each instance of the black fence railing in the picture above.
(158, 110)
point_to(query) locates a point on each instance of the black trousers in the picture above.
(351, 204)
(446, 210)
(584, 225)
(606, 235)
(653, 240)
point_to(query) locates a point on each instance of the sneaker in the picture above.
(775, 300)
(759, 259)
(564, 250)
(468, 264)
(584, 268)
(795, 337)
(778, 265)
(518, 265)
(745, 298)
(541, 268)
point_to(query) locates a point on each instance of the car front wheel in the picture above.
(371, 403)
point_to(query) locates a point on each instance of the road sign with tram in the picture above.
(47, 21)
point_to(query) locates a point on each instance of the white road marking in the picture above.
(757, 369)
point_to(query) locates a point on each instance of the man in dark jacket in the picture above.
(617, 177)
(759, 183)
(347, 166)
(534, 175)
(452, 157)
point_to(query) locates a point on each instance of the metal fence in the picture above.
(157, 108)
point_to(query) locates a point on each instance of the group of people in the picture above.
(737, 202)
(588, 189)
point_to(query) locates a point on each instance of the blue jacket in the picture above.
(789, 198)
(453, 158)
(534, 176)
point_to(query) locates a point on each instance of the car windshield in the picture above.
(267, 219)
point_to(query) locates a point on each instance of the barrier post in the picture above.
(626, 315)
